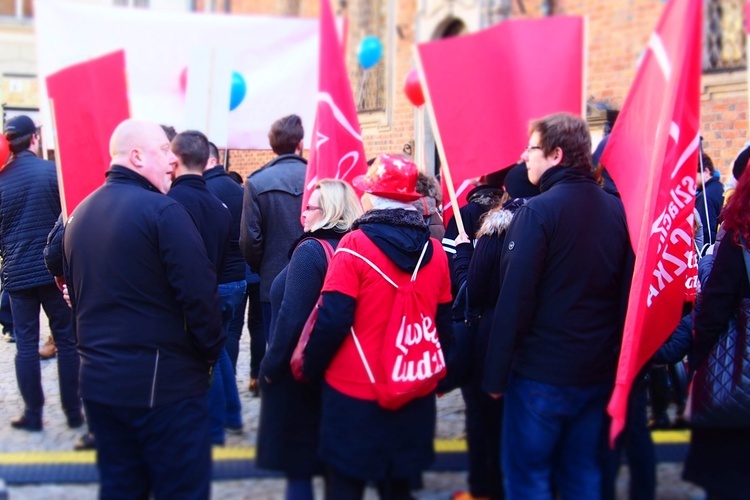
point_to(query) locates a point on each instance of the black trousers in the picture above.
(164, 450)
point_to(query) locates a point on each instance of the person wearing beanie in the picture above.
(480, 267)
(360, 440)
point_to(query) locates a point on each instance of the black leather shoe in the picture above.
(24, 424)
(85, 442)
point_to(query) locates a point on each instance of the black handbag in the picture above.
(720, 396)
(459, 358)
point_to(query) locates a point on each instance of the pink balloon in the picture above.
(413, 88)
(183, 79)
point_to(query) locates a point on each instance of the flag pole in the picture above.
(58, 161)
(441, 151)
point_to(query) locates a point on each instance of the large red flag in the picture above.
(652, 157)
(90, 100)
(337, 151)
(485, 88)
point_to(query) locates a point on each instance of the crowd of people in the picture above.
(360, 310)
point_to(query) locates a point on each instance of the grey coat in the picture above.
(271, 211)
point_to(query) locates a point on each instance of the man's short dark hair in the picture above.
(170, 131)
(20, 143)
(285, 134)
(191, 147)
(213, 151)
(708, 164)
(567, 132)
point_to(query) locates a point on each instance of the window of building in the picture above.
(724, 35)
(132, 3)
(19, 9)
(367, 18)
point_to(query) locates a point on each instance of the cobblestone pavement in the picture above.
(57, 436)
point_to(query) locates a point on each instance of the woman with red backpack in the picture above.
(378, 341)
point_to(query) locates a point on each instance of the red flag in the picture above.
(337, 151)
(90, 100)
(485, 88)
(652, 157)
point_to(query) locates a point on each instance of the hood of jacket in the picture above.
(497, 220)
(399, 233)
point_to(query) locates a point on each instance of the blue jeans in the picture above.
(223, 397)
(6, 317)
(25, 307)
(232, 296)
(551, 435)
(165, 450)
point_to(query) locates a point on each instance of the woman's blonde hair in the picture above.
(339, 206)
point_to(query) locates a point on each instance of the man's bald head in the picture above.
(143, 147)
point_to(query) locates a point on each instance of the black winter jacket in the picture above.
(715, 196)
(211, 216)
(29, 207)
(565, 269)
(144, 295)
(271, 213)
(230, 193)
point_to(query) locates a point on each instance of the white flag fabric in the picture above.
(277, 58)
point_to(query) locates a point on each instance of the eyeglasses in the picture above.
(310, 208)
(529, 148)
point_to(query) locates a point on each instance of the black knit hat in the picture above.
(517, 182)
(740, 163)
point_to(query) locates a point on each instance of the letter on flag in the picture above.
(90, 100)
(483, 89)
(337, 151)
(652, 157)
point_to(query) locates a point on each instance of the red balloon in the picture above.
(413, 88)
(4, 151)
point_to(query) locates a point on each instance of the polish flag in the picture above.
(337, 150)
(652, 156)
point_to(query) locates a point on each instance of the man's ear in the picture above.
(557, 156)
(135, 157)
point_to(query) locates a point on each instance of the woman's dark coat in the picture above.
(290, 410)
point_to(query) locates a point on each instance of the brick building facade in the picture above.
(618, 31)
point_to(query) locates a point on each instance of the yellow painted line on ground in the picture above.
(671, 437)
(47, 457)
(221, 453)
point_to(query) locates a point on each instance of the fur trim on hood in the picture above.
(495, 222)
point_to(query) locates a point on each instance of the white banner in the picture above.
(276, 57)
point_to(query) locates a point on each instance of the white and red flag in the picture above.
(652, 157)
(484, 88)
(271, 63)
(337, 151)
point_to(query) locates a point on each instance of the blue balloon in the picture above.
(239, 89)
(370, 51)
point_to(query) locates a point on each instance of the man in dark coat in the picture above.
(214, 224)
(232, 284)
(272, 207)
(146, 307)
(709, 199)
(556, 330)
(29, 207)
